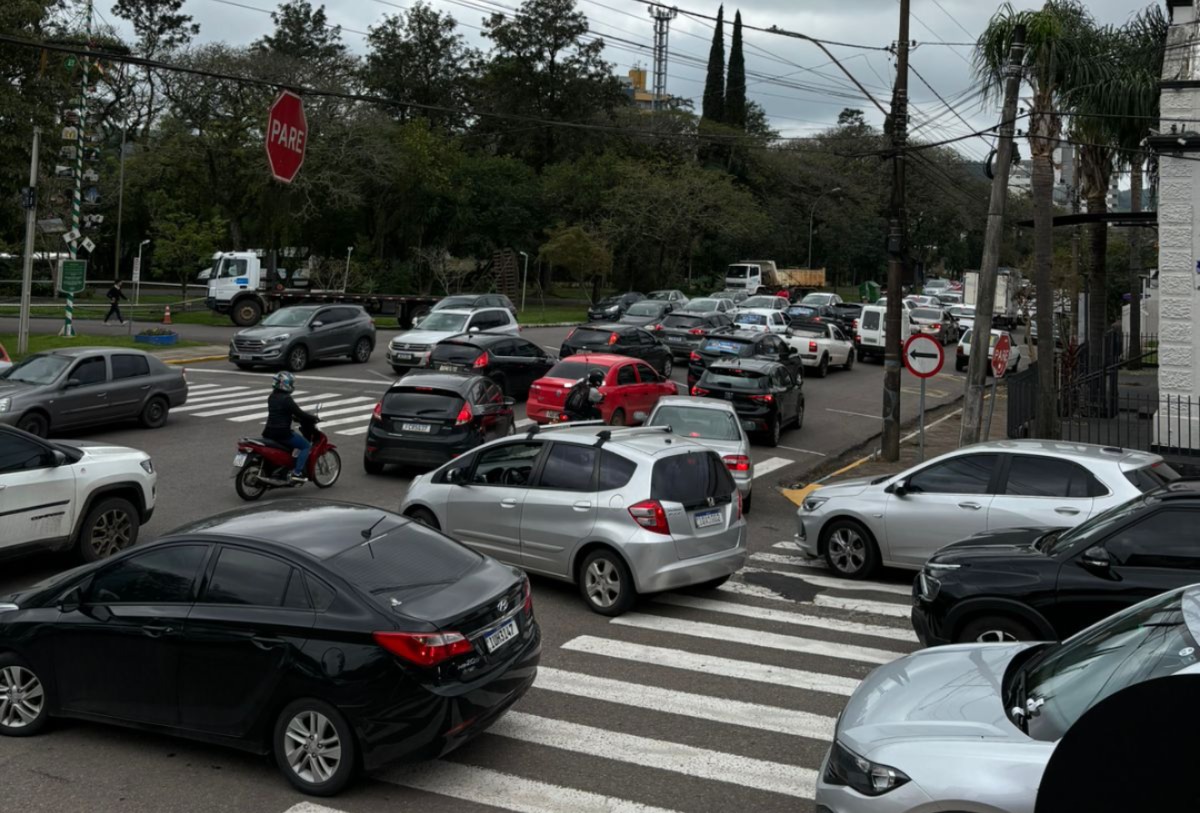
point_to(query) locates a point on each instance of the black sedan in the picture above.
(613, 307)
(428, 418)
(1039, 584)
(645, 313)
(765, 394)
(621, 340)
(684, 331)
(511, 362)
(333, 636)
(742, 344)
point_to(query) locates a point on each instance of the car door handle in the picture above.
(970, 506)
(266, 643)
(582, 505)
(102, 395)
(157, 631)
(508, 502)
(1070, 512)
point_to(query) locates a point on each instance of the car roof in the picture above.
(746, 336)
(759, 311)
(74, 352)
(458, 382)
(651, 441)
(599, 358)
(1082, 452)
(469, 311)
(757, 365)
(688, 402)
(612, 327)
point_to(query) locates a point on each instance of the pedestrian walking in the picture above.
(115, 296)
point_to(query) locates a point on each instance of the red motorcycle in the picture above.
(261, 465)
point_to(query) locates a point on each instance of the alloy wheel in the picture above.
(21, 697)
(111, 533)
(603, 583)
(668, 367)
(313, 747)
(995, 637)
(847, 550)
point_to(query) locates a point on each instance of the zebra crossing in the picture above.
(697, 700)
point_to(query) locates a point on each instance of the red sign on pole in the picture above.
(1000, 354)
(287, 136)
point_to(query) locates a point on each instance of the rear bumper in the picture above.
(657, 567)
(384, 447)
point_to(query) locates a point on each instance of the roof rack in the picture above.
(605, 435)
(538, 428)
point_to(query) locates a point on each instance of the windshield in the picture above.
(698, 422)
(661, 296)
(816, 299)
(289, 317)
(1093, 529)
(738, 271)
(231, 267)
(1149, 640)
(448, 322)
(767, 302)
(645, 309)
(37, 369)
(968, 313)
(927, 313)
(751, 319)
(703, 305)
(734, 379)
(574, 370)
(455, 302)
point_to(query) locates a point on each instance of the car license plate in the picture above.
(501, 636)
(449, 368)
(416, 427)
(239, 460)
(707, 519)
(674, 338)
(402, 356)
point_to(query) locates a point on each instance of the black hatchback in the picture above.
(333, 636)
(613, 307)
(429, 418)
(765, 394)
(742, 344)
(621, 340)
(511, 362)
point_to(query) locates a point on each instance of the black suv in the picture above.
(511, 362)
(766, 395)
(623, 340)
(613, 307)
(742, 344)
(1029, 584)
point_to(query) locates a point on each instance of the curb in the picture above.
(196, 360)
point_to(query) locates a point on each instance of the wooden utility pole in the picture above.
(985, 297)
(890, 448)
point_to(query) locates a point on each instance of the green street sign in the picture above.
(72, 276)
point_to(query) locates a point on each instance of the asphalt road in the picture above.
(694, 702)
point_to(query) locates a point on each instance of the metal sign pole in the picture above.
(987, 429)
(921, 422)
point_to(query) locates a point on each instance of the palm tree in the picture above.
(1054, 35)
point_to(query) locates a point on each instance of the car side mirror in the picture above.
(71, 600)
(473, 329)
(1096, 557)
(899, 488)
(72, 383)
(456, 477)
(510, 402)
(60, 458)
(318, 323)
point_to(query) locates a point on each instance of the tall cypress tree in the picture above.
(735, 85)
(714, 84)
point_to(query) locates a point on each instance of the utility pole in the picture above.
(985, 298)
(662, 25)
(68, 328)
(890, 449)
(27, 260)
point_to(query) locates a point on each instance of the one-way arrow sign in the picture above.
(923, 355)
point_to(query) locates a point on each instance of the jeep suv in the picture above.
(292, 337)
(619, 512)
(59, 495)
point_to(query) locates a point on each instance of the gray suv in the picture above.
(620, 512)
(292, 337)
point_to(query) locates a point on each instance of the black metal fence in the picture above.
(1022, 392)
(1145, 421)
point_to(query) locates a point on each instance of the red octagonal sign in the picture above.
(287, 136)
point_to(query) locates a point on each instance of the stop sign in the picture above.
(1000, 355)
(287, 136)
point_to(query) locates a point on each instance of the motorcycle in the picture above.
(261, 465)
(591, 414)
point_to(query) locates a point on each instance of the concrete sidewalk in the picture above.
(942, 427)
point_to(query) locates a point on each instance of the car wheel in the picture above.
(327, 468)
(297, 358)
(618, 418)
(154, 413)
(668, 367)
(372, 466)
(247, 483)
(995, 629)
(605, 583)
(246, 313)
(110, 527)
(746, 502)
(849, 549)
(314, 747)
(774, 432)
(823, 367)
(24, 711)
(362, 350)
(849, 365)
(425, 517)
(35, 423)
(800, 415)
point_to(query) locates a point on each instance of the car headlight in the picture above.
(280, 338)
(813, 503)
(148, 465)
(867, 777)
(927, 586)
(613, 309)
(5, 404)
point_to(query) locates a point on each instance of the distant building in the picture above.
(634, 86)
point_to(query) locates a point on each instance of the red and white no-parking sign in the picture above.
(287, 136)
(923, 355)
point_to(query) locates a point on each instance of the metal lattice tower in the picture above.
(662, 25)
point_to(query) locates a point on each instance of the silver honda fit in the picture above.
(619, 512)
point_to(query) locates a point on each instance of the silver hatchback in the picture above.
(620, 512)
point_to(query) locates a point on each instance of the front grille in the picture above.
(249, 345)
(410, 348)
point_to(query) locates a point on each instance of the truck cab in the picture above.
(749, 275)
(234, 282)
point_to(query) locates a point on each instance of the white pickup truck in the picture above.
(821, 345)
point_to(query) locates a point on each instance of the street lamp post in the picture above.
(137, 285)
(811, 214)
(346, 279)
(524, 279)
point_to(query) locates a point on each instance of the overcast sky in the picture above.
(791, 79)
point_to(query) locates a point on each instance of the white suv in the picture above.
(411, 348)
(56, 495)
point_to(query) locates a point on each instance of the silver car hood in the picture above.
(845, 488)
(424, 336)
(96, 448)
(267, 331)
(945, 692)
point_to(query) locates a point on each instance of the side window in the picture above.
(296, 597)
(90, 371)
(511, 464)
(326, 317)
(1164, 539)
(503, 349)
(968, 474)
(625, 375)
(1033, 476)
(569, 467)
(127, 365)
(162, 576)
(19, 454)
(322, 594)
(615, 471)
(646, 374)
(525, 350)
(242, 577)
(348, 314)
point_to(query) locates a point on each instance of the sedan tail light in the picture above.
(763, 399)
(657, 328)
(613, 338)
(528, 608)
(812, 347)
(696, 331)
(854, 324)
(464, 415)
(960, 351)
(377, 414)
(694, 356)
(651, 516)
(424, 648)
(482, 361)
(857, 339)
(737, 462)
(698, 390)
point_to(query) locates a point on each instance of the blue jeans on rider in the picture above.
(298, 441)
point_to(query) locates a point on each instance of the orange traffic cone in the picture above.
(167, 315)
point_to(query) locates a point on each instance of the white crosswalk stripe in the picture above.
(325, 411)
(782, 559)
(897, 610)
(769, 465)
(833, 582)
(255, 406)
(784, 617)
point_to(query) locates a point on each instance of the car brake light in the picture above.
(464, 415)
(696, 331)
(377, 413)
(651, 516)
(613, 338)
(816, 318)
(694, 356)
(737, 462)
(763, 399)
(657, 327)
(936, 326)
(424, 648)
(482, 361)
(698, 390)
(857, 338)
(812, 347)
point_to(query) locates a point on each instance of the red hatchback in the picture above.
(631, 388)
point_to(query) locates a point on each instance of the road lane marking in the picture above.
(701, 763)
(686, 704)
(770, 640)
(213, 401)
(713, 665)
(864, 606)
(194, 387)
(770, 464)
(791, 546)
(264, 377)
(828, 582)
(796, 561)
(363, 415)
(324, 412)
(856, 414)
(484, 786)
(358, 430)
(785, 617)
(802, 451)
(232, 410)
(225, 394)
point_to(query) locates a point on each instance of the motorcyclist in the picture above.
(281, 410)
(583, 400)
